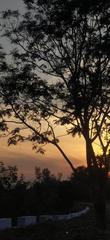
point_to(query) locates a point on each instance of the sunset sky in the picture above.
(22, 155)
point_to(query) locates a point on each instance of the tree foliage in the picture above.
(8, 176)
(59, 74)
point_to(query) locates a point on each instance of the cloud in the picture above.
(25, 159)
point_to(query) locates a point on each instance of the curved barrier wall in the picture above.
(24, 221)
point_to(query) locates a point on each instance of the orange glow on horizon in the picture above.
(26, 159)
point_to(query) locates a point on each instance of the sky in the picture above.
(24, 157)
(11, 4)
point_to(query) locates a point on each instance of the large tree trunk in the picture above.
(98, 178)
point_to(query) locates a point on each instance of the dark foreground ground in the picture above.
(83, 228)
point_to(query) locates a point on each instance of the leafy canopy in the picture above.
(59, 73)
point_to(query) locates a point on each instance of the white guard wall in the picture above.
(5, 223)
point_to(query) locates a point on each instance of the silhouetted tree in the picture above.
(45, 175)
(10, 185)
(60, 76)
(8, 176)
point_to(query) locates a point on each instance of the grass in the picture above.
(82, 228)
